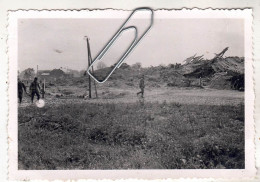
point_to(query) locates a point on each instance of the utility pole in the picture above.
(90, 62)
(37, 71)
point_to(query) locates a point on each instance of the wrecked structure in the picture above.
(219, 72)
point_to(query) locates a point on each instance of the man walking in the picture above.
(21, 87)
(35, 89)
(141, 85)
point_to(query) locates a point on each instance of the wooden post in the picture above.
(95, 83)
(43, 87)
(89, 63)
(90, 60)
(44, 84)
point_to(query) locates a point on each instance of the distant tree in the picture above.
(74, 73)
(162, 66)
(124, 66)
(101, 65)
(171, 65)
(137, 65)
(177, 65)
(28, 74)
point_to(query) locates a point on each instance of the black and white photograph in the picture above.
(153, 93)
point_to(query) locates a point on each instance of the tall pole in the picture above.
(95, 83)
(89, 63)
(37, 71)
(90, 58)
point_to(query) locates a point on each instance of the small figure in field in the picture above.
(35, 89)
(43, 88)
(21, 87)
(141, 85)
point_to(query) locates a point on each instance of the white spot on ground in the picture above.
(40, 103)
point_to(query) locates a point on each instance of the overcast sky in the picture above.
(55, 43)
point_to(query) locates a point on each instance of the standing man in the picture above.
(35, 89)
(21, 87)
(141, 85)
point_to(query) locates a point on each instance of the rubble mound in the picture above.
(205, 68)
(222, 73)
(232, 65)
(220, 81)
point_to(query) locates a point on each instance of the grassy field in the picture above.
(134, 135)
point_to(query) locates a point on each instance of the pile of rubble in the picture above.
(220, 72)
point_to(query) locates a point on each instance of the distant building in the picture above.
(52, 75)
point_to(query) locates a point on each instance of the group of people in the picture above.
(35, 89)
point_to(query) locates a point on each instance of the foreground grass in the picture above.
(133, 135)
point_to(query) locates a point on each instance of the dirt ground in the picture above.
(196, 96)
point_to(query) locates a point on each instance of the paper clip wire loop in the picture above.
(112, 40)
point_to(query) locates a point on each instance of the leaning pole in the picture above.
(89, 63)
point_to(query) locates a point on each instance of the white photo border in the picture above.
(15, 174)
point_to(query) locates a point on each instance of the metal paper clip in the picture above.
(128, 51)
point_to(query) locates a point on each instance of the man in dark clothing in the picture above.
(35, 89)
(21, 87)
(141, 85)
